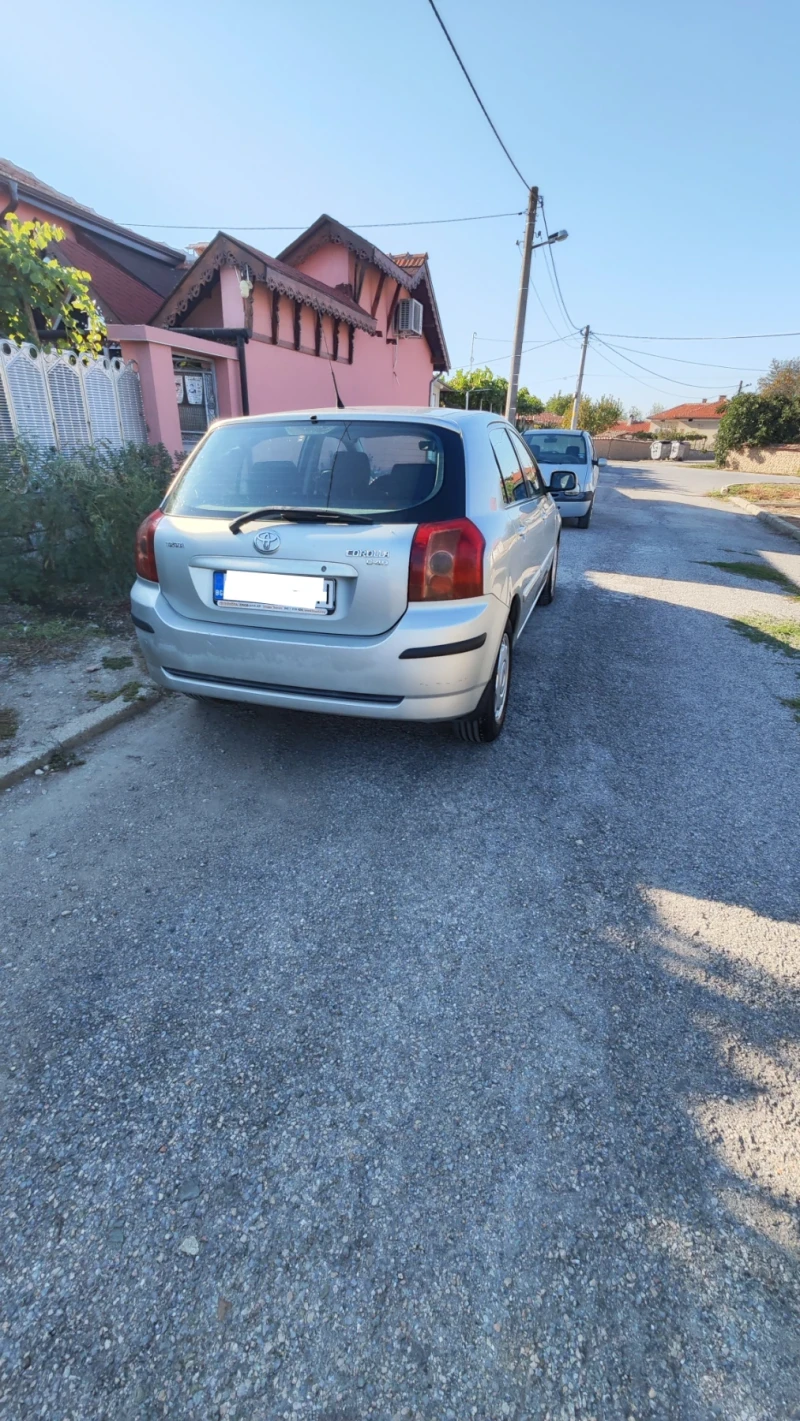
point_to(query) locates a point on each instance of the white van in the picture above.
(568, 451)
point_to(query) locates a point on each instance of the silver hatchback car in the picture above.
(362, 562)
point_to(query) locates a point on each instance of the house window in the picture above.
(196, 393)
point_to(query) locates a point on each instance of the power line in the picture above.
(637, 378)
(770, 335)
(673, 380)
(549, 250)
(526, 350)
(708, 364)
(623, 371)
(484, 109)
(301, 226)
(548, 317)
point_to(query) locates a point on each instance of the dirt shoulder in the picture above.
(55, 668)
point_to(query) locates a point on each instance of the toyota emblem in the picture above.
(267, 541)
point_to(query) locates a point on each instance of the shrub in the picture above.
(757, 420)
(67, 521)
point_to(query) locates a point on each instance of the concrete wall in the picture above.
(772, 459)
(620, 451)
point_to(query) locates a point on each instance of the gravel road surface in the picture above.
(349, 1071)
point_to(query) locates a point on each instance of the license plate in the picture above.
(275, 592)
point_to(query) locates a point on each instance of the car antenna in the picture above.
(339, 400)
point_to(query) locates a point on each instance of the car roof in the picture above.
(453, 419)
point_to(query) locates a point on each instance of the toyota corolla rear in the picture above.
(321, 562)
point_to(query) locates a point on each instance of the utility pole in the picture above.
(576, 403)
(522, 305)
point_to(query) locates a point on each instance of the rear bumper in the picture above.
(433, 665)
(574, 505)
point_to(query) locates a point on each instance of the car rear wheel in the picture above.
(490, 717)
(549, 589)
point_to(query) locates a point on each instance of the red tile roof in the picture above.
(637, 426)
(708, 409)
(545, 420)
(121, 297)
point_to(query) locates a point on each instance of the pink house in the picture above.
(333, 320)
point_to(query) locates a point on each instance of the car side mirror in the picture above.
(601, 463)
(562, 481)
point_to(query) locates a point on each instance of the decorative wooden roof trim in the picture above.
(275, 275)
(327, 229)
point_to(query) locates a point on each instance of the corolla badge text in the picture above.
(267, 541)
(377, 557)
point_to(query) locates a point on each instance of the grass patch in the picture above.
(117, 663)
(758, 571)
(770, 631)
(9, 722)
(129, 692)
(761, 493)
(27, 635)
(793, 702)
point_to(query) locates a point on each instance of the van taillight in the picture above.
(145, 547)
(446, 562)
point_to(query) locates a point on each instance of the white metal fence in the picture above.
(61, 399)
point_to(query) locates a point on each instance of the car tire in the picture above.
(585, 520)
(486, 724)
(549, 589)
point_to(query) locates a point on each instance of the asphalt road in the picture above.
(350, 1071)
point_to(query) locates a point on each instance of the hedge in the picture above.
(67, 521)
(757, 420)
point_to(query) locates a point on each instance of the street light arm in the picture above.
(556, 237)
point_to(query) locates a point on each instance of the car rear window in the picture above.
(561, 447)
(381, 468)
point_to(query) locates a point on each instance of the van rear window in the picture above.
(561, 447)
(380, 468)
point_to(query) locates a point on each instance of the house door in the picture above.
(196, 393)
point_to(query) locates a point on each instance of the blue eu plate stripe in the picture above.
(219, 586)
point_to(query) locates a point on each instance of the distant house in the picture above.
(700, 418)
(131, 275)
(633, 429)
(545, 420)
(331, 320)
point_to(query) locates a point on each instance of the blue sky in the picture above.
(663, 138)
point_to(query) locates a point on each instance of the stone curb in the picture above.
(80, 728)
(774, 520)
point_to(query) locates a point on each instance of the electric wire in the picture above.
(769, 335)
(483, 107)
(549, 250)
(678, 360)
(639, 381)
(302, 226)
(672, 379)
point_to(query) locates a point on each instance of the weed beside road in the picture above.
(762, 494)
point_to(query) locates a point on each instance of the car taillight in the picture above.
(446, 562)
(145, 547)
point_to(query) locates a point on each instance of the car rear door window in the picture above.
(384, 469)
(514, 485)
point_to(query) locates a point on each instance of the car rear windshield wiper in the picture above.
(300, 515)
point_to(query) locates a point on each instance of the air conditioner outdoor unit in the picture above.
(408, 318)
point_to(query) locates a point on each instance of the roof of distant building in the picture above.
(707, 409)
